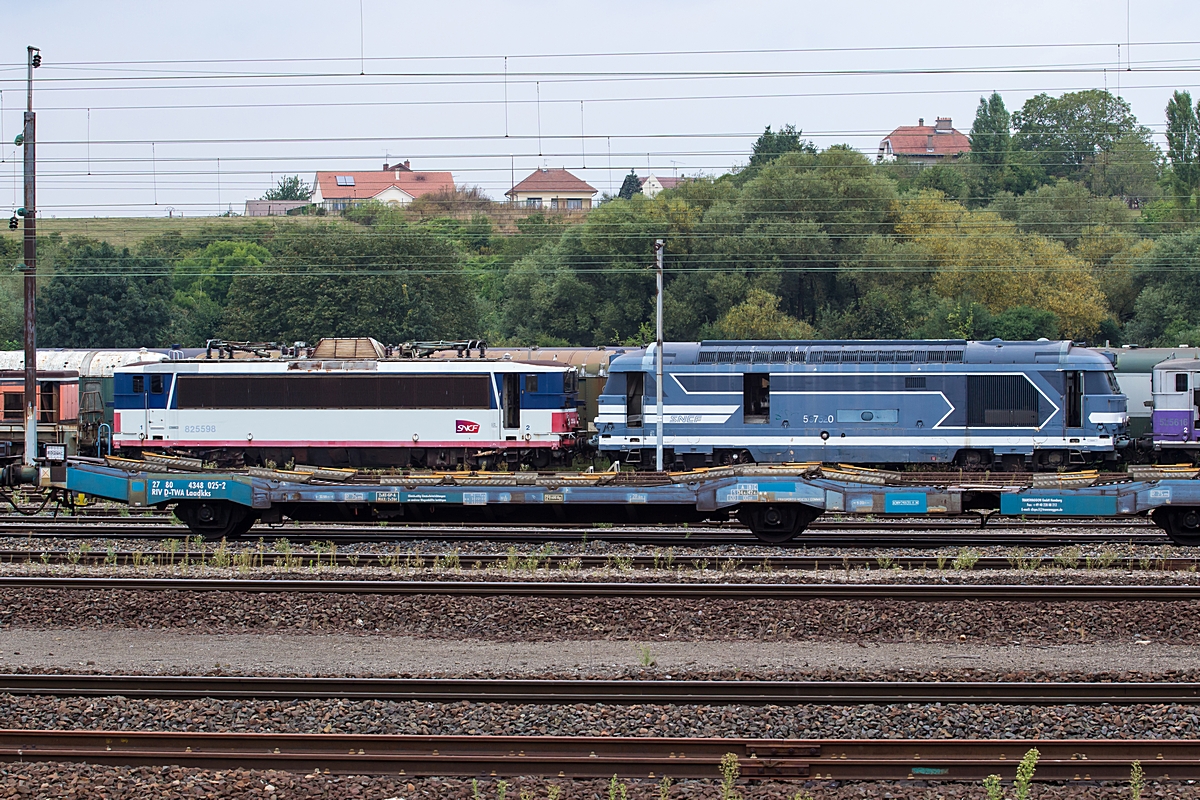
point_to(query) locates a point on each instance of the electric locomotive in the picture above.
(371, 410)
(978, 405)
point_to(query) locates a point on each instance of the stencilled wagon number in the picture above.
(199, 428)
(818, 417)
(183, 489)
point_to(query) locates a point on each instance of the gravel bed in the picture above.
(121, 783)
(869, 721)
(635, 618)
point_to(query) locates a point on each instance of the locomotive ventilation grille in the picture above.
(838, 356)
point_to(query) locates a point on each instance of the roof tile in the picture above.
(551, 180)
(369, 184)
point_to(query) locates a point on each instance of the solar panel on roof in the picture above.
(345, 180)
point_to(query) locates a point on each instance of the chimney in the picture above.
(943, 125)
(929, 143)
(385, 166)
(406, 164)
(921, 122)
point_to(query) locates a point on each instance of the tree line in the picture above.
(1065, 219)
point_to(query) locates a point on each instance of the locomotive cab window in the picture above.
(756, 398)
(531, 383)
(1181, 382)
(156, 384)
(139, 384)
(635, 386)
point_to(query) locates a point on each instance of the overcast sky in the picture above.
(211, 124)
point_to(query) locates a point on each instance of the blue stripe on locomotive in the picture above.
(879, 402)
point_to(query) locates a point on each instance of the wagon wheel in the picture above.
(777, 524)
(1181, 524)
(216, 519)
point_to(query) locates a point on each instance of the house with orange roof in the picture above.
(924, 144)
(394, 185)
(555, 189)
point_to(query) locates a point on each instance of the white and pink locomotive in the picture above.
(356, 412)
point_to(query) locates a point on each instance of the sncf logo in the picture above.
(466, 426)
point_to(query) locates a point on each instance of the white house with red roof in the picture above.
(555, 189)
(924, 144)
(653, 184)
(394, 185)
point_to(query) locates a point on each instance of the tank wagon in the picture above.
(979, 405)
(378, 411)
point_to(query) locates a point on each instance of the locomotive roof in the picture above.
(305, 366)
(896, 351)
(1191, 364)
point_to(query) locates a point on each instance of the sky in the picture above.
(157, 109)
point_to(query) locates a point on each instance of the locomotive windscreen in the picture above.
(332, 391)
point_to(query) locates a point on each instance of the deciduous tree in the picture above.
(759, 317)
(104, 297)
(1065, 132)
(289, 187)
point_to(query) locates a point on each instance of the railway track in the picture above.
(1063, 760)
(837, 534)
(540, 560)
(733, 591)
(609, 692)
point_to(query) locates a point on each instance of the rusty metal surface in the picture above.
(601, 757)
(616, 692)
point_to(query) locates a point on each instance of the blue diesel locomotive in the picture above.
(979, 405)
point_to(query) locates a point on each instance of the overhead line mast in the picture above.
(29, 212)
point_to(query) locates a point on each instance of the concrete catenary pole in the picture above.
(659, 246)
(30, 332)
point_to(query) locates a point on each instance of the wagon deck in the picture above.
(777, 502)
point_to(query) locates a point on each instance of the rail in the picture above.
(609, 692)
(1062, 760)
